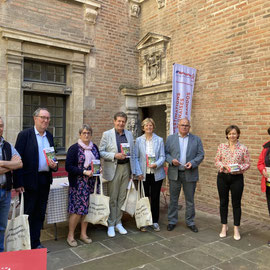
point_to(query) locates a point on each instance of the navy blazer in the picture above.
(27, 146)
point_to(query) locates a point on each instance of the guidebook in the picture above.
(50, 154)
(150, 159)
(268, 179)
(234, 168)
(95, 167)
(125, 149)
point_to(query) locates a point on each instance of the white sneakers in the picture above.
(111, 232)
(119, 227)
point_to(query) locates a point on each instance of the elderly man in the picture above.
(184, 153)
(9, 160)
(117, 169)
(36, 175)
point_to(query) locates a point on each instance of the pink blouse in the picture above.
(226, 157)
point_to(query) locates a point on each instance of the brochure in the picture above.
(234, 168)
(95, 167)
(50, 154)
(125, 149)
(150, 159)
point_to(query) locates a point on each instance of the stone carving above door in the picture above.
(153, 61)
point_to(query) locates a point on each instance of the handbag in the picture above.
(99, 207)
(143, 215)
(129, 205)
(17, 235)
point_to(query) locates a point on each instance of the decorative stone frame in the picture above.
(20, 45)
(153, 64)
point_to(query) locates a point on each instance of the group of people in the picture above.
(183, 151)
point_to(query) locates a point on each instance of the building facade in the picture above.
(87, 59)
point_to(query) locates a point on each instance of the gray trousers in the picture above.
(117, 191)
(189, 191)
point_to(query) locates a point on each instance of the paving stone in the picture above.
(58, 245)
(181, 243)
(172, 263)
(91, 251)
(123, 242)
(206, 235)
(156, 251)
(259, 256)
(249, 240)
(180, 229)
(144, 238)
(220, 250)
(120, 261)
(198, 259)
(61, 259)
(239, 264)
(145, 267)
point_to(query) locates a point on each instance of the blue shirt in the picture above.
(13, 152)
(183, 143)
(42, 143)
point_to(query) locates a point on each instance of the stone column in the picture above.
(131, 109)
(74, 108)
(14, 97)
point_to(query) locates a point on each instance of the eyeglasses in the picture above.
(184, 125)
(86, 133)
(44, 118)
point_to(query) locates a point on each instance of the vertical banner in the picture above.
(182, 92)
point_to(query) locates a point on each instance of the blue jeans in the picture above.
(5, 198)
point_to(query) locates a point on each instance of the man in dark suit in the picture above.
(184, 152)
(36, 175)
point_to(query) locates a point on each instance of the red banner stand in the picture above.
(34, 259)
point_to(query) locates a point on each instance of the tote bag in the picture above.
(99, 208)
(143, 215)
(17, 235)
(129, 205)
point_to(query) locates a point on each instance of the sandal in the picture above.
(72, 243)
(143, 229)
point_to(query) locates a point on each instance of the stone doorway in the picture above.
(158, 113)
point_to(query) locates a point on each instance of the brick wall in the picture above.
(115, 38)
(228, 43)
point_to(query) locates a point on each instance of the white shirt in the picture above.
(183, 143)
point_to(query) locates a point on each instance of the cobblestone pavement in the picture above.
(178, 249)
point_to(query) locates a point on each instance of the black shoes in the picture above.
(193, 228)
(41, 246)
(170, 227)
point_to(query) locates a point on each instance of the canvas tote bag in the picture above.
(99, 208)
(143, 215)
(17, 235)
(129, 205)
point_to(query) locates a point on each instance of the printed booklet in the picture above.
(150, 159)
(234, 168)
(125, 149)
(50, 154)
(95, 167)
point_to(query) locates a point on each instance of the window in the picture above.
(56, 104)
(44, 72)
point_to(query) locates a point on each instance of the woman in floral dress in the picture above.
(232, 160)
(81, 182)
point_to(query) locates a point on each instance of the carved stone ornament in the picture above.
(135, 10)
(132, 125)
(91, 15)
(153, 62)
(161, 3)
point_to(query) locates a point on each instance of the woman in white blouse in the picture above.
(149, 159)
(232, 160)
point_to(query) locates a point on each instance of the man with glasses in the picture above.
(36, 175)
(9, 160)
(184, 153)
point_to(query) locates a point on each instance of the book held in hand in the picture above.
(234, 168)
(268, 172)
(50, 154)
(95, 167)
(125, 149)
(150, 159)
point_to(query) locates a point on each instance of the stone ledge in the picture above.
(28, 37)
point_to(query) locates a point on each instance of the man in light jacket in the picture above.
(117, 169)
(184, 153)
